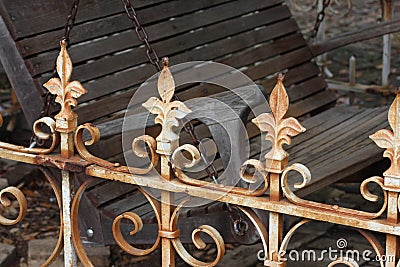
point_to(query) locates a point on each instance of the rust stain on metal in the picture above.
(272, 174)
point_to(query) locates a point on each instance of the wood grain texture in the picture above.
(20, 79)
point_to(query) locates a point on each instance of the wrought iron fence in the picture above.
(273, 172)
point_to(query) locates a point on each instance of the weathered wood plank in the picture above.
(310, 104)
(137, 56)
(327, 142)
(335, 133)
(322, 122)
(20, 79)
(355, 36)
(37, 14)
(126, 39)
(213, 50)
(120, 101)
(120, 22)
(106, 192)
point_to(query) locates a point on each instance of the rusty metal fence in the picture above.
(273, 172)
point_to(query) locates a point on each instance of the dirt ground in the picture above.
(42, 220)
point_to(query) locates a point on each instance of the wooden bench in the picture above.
(258, 37)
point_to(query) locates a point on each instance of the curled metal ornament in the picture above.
(290, 233)
(376, 245)
(57, 192)
(253, 178)
(137, 222)
(183, 162)
(398, 206)
(195, 154)
(137, 149)
(76, 237)
(305, 172)
(38, 131)
(258, 225)
(197, 241)
(374, 198)
(6, 202)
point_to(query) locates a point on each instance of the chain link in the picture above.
(320, 18)
(69, 24)
(154, 60)
(142, 34)
(47, 96)
(187, 124)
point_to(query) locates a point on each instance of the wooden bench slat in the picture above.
(120, 22)
(37, 14)
(181, 43)
(133, 200)
(97, 89)
(115, 63)
(358, 157)
(332, 150)
(294, 75)
(306, 88)
(339, 134)
(317, 101)
(118, 102)
(323, 122)
(360, 127)
(111, 146)
(105, 192)
(127, 39)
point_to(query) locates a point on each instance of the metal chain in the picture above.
(154, 60)
(142, 34)
(69, 24)
(187, 124)
(47, 96)
(320, 18)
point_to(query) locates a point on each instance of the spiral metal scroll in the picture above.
(197, 241)
(137, 221)
(305, 172)
(38, 131)
(80, 251)
(249, 178)
(57, 192)
(5, 201)
(286, 239)
(376, 245)
(258, 225)
(137, 149)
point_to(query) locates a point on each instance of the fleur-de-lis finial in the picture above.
(67, 92)
(391, 139)
(167, 112)
(278, 130)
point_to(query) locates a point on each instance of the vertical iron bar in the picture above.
(167, 208)
(392, 241)
(275, 219)
(67, 185)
